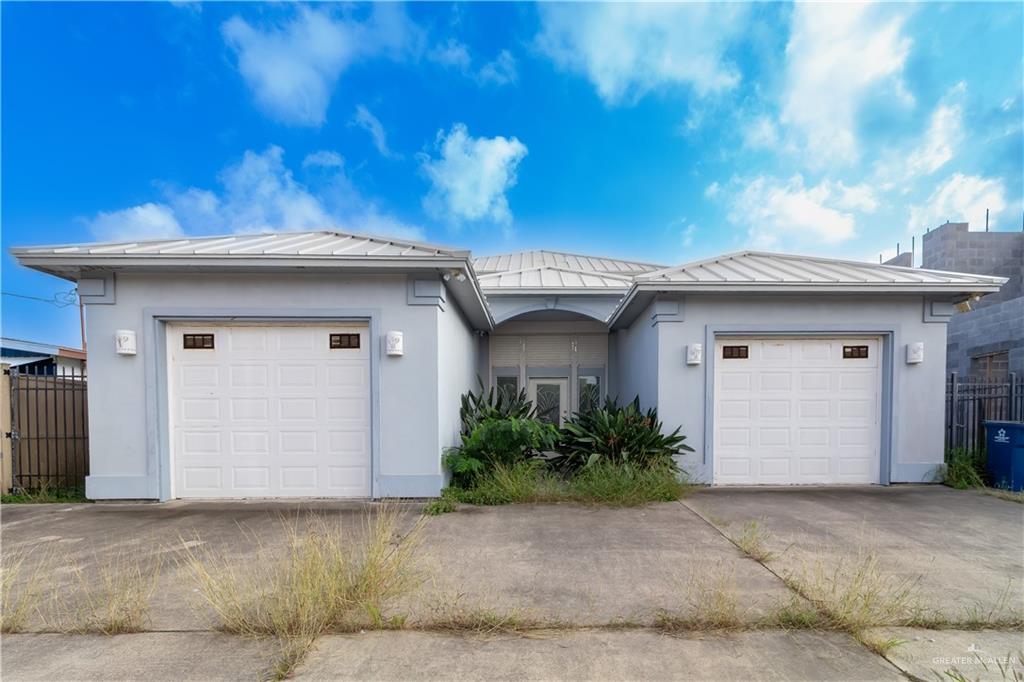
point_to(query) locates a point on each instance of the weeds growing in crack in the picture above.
(711, 603)
(291, 652)
(752, 541)
(452, 614)
(877, 643)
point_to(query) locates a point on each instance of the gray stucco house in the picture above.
(323, 364)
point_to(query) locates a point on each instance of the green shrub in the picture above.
(622, 485)
(495, 442)
(477, 408)
(964, 469)
(618, 435)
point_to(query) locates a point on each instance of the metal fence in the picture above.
(49, 427)
(972, 400)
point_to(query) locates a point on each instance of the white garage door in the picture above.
(797, 411)
(269, 411)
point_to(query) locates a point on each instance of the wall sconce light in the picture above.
(124, 342)
(915, 353)
(394, 344)
(694, 354)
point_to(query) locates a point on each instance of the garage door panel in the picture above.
(250, 442)
(270, 411)
(797, 411)
(248, 409)
(297, 409)
(291, 376)
(815, 409)
(200, 376)
(199, 410)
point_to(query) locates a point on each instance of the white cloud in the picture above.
(961, 198)
(945, 131)
(371, 124)
(471, 176)
(455, 55)
(627, 50)
(712, 190)
(324, 158)
(761, 133)
(258, 193)
(785, 213)
(501, 71)
(452, 53)
(294, 67)
(837, 55)
(148, 221)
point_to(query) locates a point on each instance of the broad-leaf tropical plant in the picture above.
(492, 404)
(622, 435)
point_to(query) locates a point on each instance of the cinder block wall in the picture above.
(996, 322)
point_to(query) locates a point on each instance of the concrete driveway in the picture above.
(604, 572)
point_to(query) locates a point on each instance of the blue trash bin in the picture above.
(1005, 442)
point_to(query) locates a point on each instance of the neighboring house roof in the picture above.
(22, 348)
(528, 260)
(756, 271)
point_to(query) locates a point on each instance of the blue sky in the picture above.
(663, 132)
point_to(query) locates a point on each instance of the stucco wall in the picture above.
(456, 371)
(635, 364)
(917, 441)
(124, 406)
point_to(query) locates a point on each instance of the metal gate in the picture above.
(972, 400)
(49, 427)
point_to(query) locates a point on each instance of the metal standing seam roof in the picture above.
(319, 243)
(756, 268)
(553, 278)
(532, 260)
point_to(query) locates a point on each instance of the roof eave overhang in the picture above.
(641, 294)
(554, 291)
(468, 293)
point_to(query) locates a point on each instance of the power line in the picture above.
(61, 299)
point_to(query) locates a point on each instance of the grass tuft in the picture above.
(712, 604)
(290, 654)
(615, 485)
(19, 599)
(113, 601)
(964, 469)
(455, 617)
(751, 540)
(877, 643)
(45, 494)
(325, 580)
(857, 595)
(796, 614)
